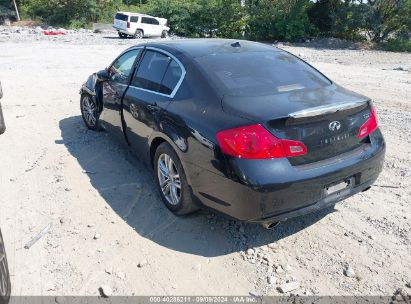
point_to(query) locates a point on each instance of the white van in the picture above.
(140, 25)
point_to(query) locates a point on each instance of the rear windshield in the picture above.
(121, 17)
(260, 73)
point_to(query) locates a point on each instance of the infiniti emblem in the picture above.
(334, 126)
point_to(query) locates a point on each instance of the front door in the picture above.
(151, 90)
(113, 89)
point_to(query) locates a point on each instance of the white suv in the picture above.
(139, 25)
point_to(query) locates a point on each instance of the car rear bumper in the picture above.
(121, 30)
(274, 190)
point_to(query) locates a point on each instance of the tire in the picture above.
(164, 34)
(138, 34)
(182, 203)
(122, 35)
(89, 112)
(5, 285)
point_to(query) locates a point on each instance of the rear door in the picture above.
(113, 89)
(152, 88)
(120, 21)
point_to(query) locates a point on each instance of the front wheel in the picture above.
(89, 112)
(172, 181)
(139, 34)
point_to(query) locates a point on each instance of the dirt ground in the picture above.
(110, 229)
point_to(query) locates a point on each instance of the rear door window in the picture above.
(158, 73)
(260, 73)
(171, 78)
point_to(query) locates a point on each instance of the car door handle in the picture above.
(153, 107)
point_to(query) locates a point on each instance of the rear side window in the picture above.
(146, 20)
(134, 19)
(121, 17)
(260, 73)
(157, 72)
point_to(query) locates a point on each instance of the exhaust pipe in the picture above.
(270, 225)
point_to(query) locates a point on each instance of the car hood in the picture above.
(275, 106)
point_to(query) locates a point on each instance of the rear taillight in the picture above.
(370, 125)
(128, 24)
(255, 142)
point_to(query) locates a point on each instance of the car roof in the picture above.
(135, 14)
(195, 48)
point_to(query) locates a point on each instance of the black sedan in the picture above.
(240, 127)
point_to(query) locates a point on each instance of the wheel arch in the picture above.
(174, 141)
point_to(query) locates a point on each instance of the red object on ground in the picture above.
(53, 33)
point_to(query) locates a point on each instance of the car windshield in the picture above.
(260, 73)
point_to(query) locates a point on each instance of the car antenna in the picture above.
(236, 44)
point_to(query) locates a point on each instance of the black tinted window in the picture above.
(146, 20)
(260, 73)
(154, 21)
(171, 78)
(134, 19)
(151, 71)
(121, 17)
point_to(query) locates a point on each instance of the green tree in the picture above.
(278, 19)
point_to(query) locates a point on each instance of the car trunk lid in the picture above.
(327, 120)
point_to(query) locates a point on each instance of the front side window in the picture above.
(157, 72)
(121, 69)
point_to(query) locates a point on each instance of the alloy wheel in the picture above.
(169, 179)
(89, 110)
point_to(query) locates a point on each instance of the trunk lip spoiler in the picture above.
(327, 109)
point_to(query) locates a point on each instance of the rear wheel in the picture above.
(139, 34)
(122, 35)
(172, 182)
(89, 112)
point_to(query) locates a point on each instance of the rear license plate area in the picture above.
(338, 187)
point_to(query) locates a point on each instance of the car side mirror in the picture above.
(103, 75)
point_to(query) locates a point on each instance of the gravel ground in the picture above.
(108, 229)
